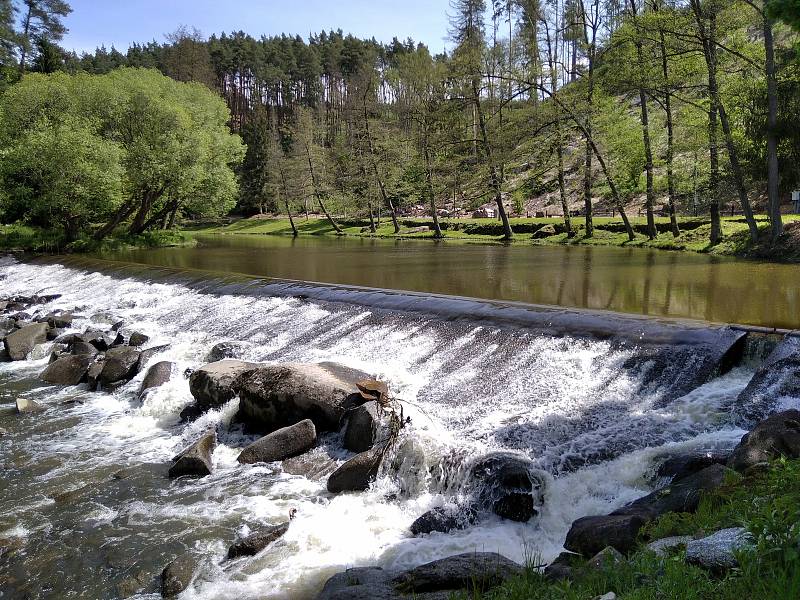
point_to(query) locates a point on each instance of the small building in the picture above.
(484, 212)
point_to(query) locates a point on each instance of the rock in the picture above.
(479, 570)
(510, 485)
(216, 383)
(79, 347)
(561, 568)
(21, 342)
(362, 427)
(607, 557)
(190, 413)
(664, 545)
(52, 334)
(361, 583)
(58, 351)
(372, 389)
(278, 445)
(682, 495)
(196, 459)
(776, 436)
(777, 378)
(105, 318)
(357, 473)
(716, 552)
(225, 350)
(683, 465)
(274, 396)
(444, 519)
(608, 596)
(589, 535)
(138, 339)
(257, 541)
(25, 406)
(98, 339)
(58, 319)
(177, 575)
(311, 465)
(146, 355)
(157, 375)
(120, 365)
(93, 375)
(68, 370)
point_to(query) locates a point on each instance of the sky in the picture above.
(122, 22)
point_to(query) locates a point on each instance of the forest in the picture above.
(575, 109)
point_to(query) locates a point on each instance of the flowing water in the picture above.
(84, 493)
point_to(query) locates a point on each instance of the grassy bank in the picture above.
(766, 503)
(608, 232)
(25, 238)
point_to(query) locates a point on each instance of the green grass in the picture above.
(767, 504)
(608, 231)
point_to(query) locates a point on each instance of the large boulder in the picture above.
(363, 424)
(716, 552)
(279, 445)
(275, 396)
(589, 535)
(776, 436)
(79, 347)
(196, 459)
(177, 575)
(21, 342)
(356, 474)
(216, 383)
(475, 571)
(120, 365)
(509, 485)
(257, 540)
(67, 370)
(156, 376)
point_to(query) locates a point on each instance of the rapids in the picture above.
(84, 492)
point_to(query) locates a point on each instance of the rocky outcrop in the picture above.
(281, 444)
(257, 541)
(216, 383)
(444, 519)
(356, 474)
(177, 575)
(68, 370)
(156, 376)
(776, 436)
(120, 364)
(275, 396)
(716, 552)
(363, 424)
(21, 342)
(509, 485)
(196, 459)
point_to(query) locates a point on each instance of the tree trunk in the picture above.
(384, 196)
(587, 175)
(713, 180)
(286, 201)
(124, 211)
(773, 193)
(437, 230)
(25, 40)
(673, 218)
(317, 193)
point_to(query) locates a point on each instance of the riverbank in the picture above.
(608, 231)
(25, 238)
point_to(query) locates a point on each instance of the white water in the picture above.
(470, 388)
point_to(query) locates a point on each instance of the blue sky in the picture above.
(121, 22)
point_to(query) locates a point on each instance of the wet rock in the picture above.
(776, 436)
(216, 383)
(190, 413)
(93, 375)
(106, 318)
(120, 365)
(79, 347)
(357, 473)
(21, 342)
(156, 376)
(311, 465)
(683, 465)
(57, 351)
(58, 319)
(682, 495)
(25, 406)
(149, 353)
(177, 575)
(281, 444)
(717, 551)
(52, 334)
(99, 339)
(479, 570)
(362, 427)
(778, 377)
(138, 339)
(444, 519)
(361, 583)
(196, 459)
(664, 545)
(130, 586)
(589, 535)
(510, 485)
(225, 350)
(257, 541)
(68, 370)
(607, 557)
(274, 396)
(7, 326)
(561, 568)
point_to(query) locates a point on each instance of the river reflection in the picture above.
(627, 280)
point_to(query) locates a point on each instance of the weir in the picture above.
(593, 400)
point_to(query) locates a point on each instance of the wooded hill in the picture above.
(569, 107)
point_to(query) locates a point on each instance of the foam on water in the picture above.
(575, 406)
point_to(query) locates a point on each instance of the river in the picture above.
(85, 498)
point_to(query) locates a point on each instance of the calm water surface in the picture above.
(631, 280)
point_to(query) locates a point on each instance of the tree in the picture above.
(7, 36)
(41, 21)
(186, 57)
(49, 57)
